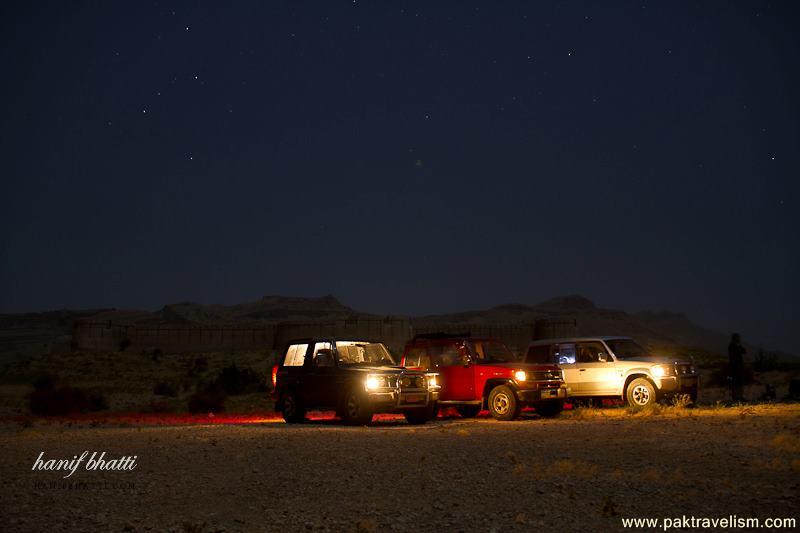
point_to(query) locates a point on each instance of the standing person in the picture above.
(736, 367)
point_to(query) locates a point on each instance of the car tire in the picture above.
(550, 408)
(468, 411)
(292, 408)
(421, 415)
(640, 393)
(503, 404)
(355, 408)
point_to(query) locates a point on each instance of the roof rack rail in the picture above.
(441, 335)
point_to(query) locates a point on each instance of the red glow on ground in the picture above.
(189, 419)
(180, 419)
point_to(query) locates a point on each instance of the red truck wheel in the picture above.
(503, 404)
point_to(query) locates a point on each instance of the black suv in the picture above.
(356, 378)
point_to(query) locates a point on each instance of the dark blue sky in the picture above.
(408, 158)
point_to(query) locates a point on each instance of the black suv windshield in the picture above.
(358, 352)
(491, 352)
(626, 348)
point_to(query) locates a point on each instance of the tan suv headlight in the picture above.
(660, 371)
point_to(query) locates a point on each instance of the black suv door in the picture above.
(321, 381)
(294, 369)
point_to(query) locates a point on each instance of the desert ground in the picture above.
(583, 471)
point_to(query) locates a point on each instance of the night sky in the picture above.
(408, 158)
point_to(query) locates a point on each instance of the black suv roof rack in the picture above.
(442, 335)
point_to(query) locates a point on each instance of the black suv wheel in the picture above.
(355, 408)
(292, 408)
(503, 404)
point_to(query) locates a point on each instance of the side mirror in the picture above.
(603, 358)
(465, 360)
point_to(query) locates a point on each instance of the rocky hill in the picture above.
(22, 334)
(660, 328)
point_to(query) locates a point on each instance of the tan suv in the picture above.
(615, 367)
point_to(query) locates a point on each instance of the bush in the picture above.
(50, 399)
(719, 376)
(165, 388)
(210, 398)
(157, 406)
(234, 380)
(199, 365)
(57, 400)
(45, 380)
(124, 343)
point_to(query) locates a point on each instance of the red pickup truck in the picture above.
(478, 373)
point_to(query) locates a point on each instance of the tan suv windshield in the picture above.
(626, 348)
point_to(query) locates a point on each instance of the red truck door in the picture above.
(456, 372)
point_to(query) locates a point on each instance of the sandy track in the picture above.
(470, 475)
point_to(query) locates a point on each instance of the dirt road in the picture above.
(571, 474)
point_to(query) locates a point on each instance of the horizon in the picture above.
(788, 350)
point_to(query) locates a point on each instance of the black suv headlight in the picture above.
(378, 381)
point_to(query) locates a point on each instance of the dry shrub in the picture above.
(49, 398)
(586, 413)
(208, 399)
(166, 388)
(745, 411)
(681, 401)
(235, 380)
(652, 409)
(158, 406)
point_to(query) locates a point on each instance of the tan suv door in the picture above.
(564, 357)
(596, 370)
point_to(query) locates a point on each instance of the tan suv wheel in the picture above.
(640, 393)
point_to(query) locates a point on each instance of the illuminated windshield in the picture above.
(626, 348)
(359, 352)
(491, 352)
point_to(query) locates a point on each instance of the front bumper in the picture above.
(682, 384)
(543, 393)
(394, 400)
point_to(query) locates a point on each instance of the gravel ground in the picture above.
(569, 474)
